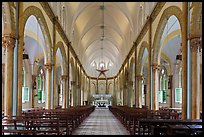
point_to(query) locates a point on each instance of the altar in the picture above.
(102, 100)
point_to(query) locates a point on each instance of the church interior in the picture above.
(101, 68)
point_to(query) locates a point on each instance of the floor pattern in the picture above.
(101, 122)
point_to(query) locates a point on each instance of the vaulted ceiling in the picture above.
(104, 31)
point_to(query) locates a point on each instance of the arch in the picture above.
(141, 53)
(32, 10)
(172, 10)
(60, 45)
(95, 87)
(131, 68)
(72, 70)
(169, 66)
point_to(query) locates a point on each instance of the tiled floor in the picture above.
(101, 122)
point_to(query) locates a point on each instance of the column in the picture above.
(89, 92)
(68, 77)
(64, 83)
(97, 86)
(135, 95)
(170, 90)
(184, 58)
(106, 86)
(78, 94)
(73, 89)
(139, 91)
(48, 68)
(33, 90)
(130, 90)
(54, 87)
(124, 94)
(114, 93)
(149, 84)
(155, 75)
(3, 82)
(8, 42)
(195, 98)
(201, 80)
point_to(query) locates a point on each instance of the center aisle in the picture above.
(101, 122)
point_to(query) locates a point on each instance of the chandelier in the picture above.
(102, 69)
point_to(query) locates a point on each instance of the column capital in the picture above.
(48, 66)
(140, 77)
(63, 77)
(34, 76)
(78, 86)
(155, 66)
(73, 82)
(130, 83)
(195, 43)
(3, 67)
(8, 41)
(170, 76)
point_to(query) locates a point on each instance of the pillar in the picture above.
(155, 74)
(48, 68)
(170, 90)
(8, 42)
(184, 58)
(19, 55)
(3, 76)
(195, 98)
(139, 91)
(201, 80)
(33, 90)
(64, 83)
(97, 87)
(89, 92)
(54, 87)
(130, 90)
(149, 85)
(114, 92)
(124, 93)
(68, 78)
(135, 95)
(106, 86)
(73, 88)
(78, 94)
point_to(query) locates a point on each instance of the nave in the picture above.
(62, 60)
(101, 122)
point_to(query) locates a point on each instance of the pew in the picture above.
(134, 118)
(46, 122)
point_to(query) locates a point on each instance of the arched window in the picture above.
(143, 95)
(180, 77)
(25, 89)
(178, 91)
(163, 86)
(41, 87)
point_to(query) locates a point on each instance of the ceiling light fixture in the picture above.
(102, 69)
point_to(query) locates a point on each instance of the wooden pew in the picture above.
(150, 124)
(48, 122)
